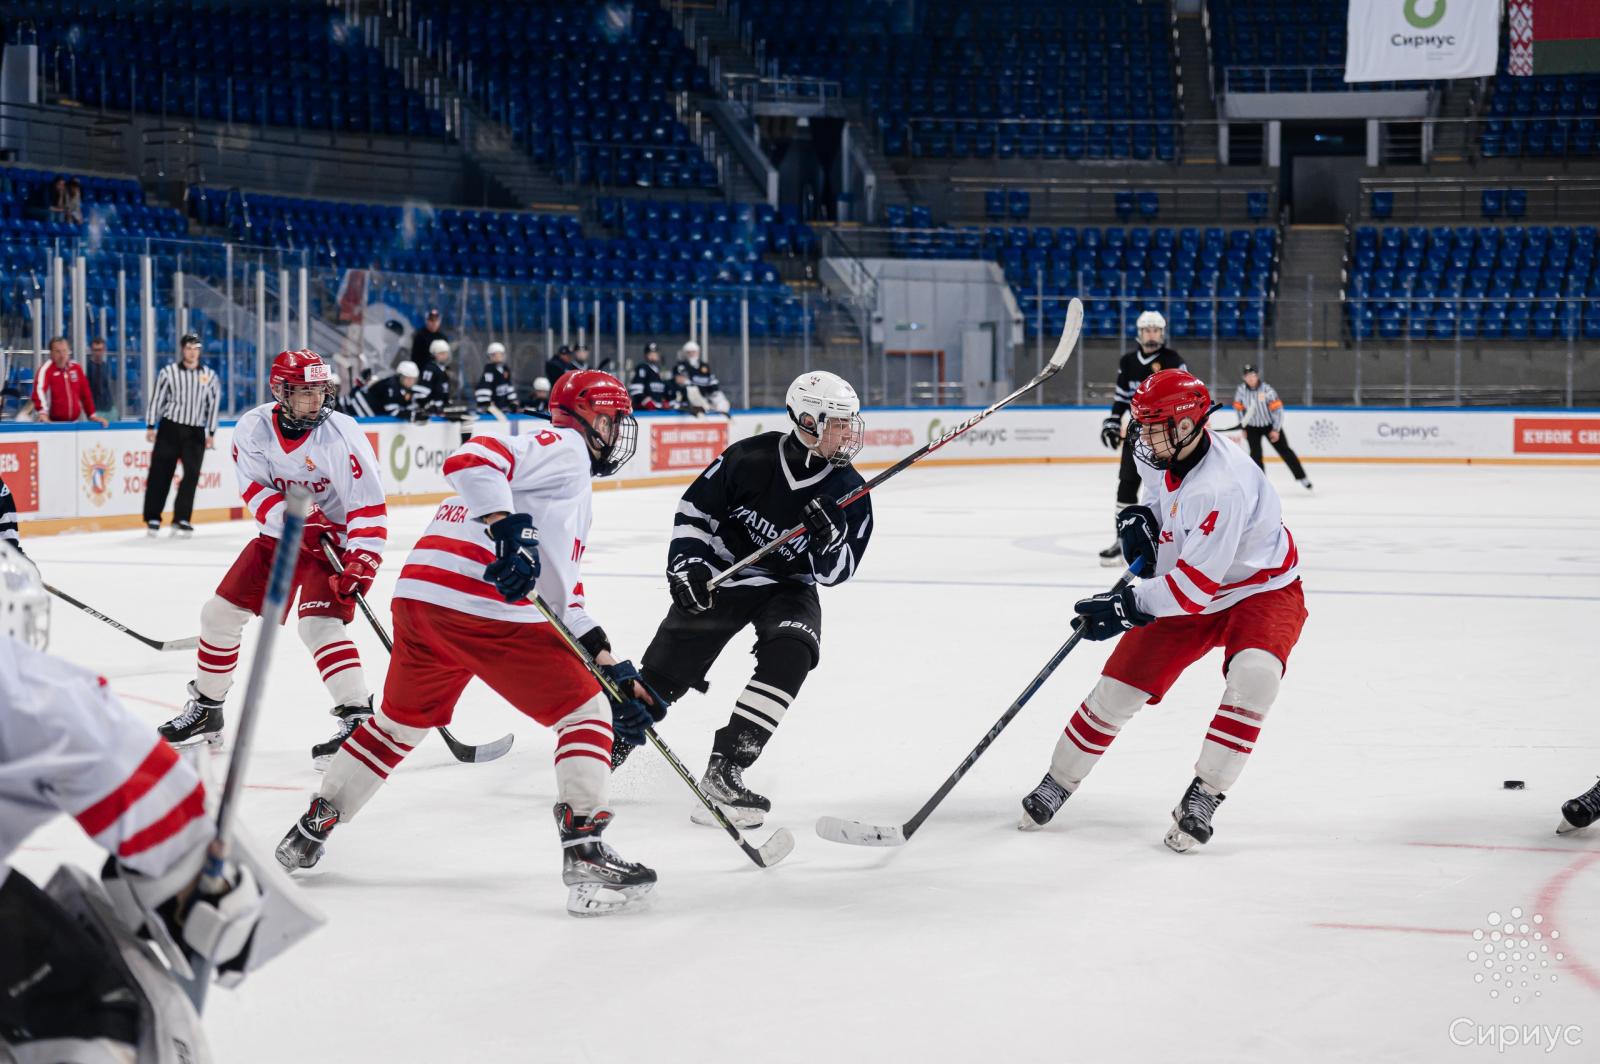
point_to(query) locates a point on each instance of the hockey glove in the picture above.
(631, 716)
(1108, 615)
(516, 557)
(689, 580)
(360, 566)
(825, 527)
(1111, 432)
(317, 525)
(1137, 531)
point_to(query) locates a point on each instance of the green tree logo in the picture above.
(399, 457)
(1421, 21)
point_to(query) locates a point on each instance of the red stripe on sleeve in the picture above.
(1291, 557)
(267, 503)
(106, 811)
(1201, 580)
(178, 817)
(367, 532)
(252, 491)
(492, 444)
(367, 511)
(457, 462)
(1183, 600)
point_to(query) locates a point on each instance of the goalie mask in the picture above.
(24, 606)
(827, 416)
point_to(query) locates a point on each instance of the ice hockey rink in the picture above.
(1450, 648)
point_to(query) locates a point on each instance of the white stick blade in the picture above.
(776, 848)
(186, 643)
(1069, 335)
(495, 750)
(855, 833)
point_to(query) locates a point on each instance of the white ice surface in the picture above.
(1451, 646)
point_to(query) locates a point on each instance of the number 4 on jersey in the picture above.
(1209, 525)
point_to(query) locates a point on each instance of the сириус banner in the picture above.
(1420, 40)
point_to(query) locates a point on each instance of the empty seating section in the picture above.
(950, 79)
(1206, 281)
(1488, 282)
(286, 64)
(1551, 115)
(586, 88)
(1303, 39)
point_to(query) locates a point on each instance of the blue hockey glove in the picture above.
(516, 557)
(631, 716)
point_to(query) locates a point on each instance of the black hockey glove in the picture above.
(1110, 614)
(516, 557)
(1111, 432)
(825, 527)
(688, 578)
(631, 716)
(1138, 532)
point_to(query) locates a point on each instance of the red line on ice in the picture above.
(1568, 850)
(1550, 899)
(1396, 927)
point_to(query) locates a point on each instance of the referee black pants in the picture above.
(1255, 433)
(174, 443)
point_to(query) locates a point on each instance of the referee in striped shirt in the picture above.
(182, 423)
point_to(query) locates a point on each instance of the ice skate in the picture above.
(599, 882)
(724, 784)
(1043, 803)
(1192, 818)
(301, 848)
(152, 529)
(1112, 555)
(200, 722)
(350, 718)
(1304, 482)
(182, 530)
(1581, 811)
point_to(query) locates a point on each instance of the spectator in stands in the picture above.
(424, 339)
(702, 388)
(61, 388)
(72, 203)
(647, 389)
(561, 363)
(394, 396)
(539, 399)
(434, 387)
(99, 375)
(1261, 413)
(494, 386)
(182, 423)
(52, 202)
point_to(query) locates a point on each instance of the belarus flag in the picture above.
(1554, 37)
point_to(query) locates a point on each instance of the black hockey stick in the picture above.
(857, 833)
(459, 750)
(768, 853)
(188, 643)
(1064, 349)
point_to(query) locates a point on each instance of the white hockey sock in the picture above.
(583, 756)
(337, 659)
(1089, 733)
(1253, 676)
(360, 766)
(221, 624)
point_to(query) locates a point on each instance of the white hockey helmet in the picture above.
(496, 348)
(541, 384)
(24, 605)
(827, 416)
(1152, 319)
(439, 347)
(691, 353)
(408, 368)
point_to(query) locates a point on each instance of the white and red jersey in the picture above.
(1222, 535)
(334, 461)
(545, 475)
(68, 746)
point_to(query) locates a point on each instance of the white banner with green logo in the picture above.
(1421, 40)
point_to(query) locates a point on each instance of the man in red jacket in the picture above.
(61, 389)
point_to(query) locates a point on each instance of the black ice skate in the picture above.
(619, 753)
(1581, 811)
(724, 784)
(200, 722)
(1192, 818)
(152, 529)
(1305, 482)
(182, 530)
(1043, 803)
(599, 882)
(1112, 555)
(302, 847)
(350, 718)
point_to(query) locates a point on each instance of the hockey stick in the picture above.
(459, 750)
(857, 833)
(273, 604)
(1064, 349)
(188, 643)
(768, 853)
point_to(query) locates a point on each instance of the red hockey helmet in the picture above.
(598, 404)
(304, 387)
(1160, 404)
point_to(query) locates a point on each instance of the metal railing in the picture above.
(1544, 196)
(1305, 78)
(1121, 139)
(753, 89)
(1072, 200)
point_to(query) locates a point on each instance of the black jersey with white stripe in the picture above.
(494, 386)
(8, 517)
(753, 494)
(1135, 367)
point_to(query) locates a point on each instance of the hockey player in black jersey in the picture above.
(647, 388)
(1150, 355)
(757, 490)
(494, 385)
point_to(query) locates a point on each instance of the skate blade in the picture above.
(1026, 823)
(1180, 841)
(740, 818)
(1111, 563)
(856, 833)
(596, 899)
(211, 740)
(1566, 827)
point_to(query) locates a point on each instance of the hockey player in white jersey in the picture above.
(1223, 571)
(297, 439)
(519, 523)
(76, 985)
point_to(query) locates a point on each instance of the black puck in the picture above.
(1513, 785)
